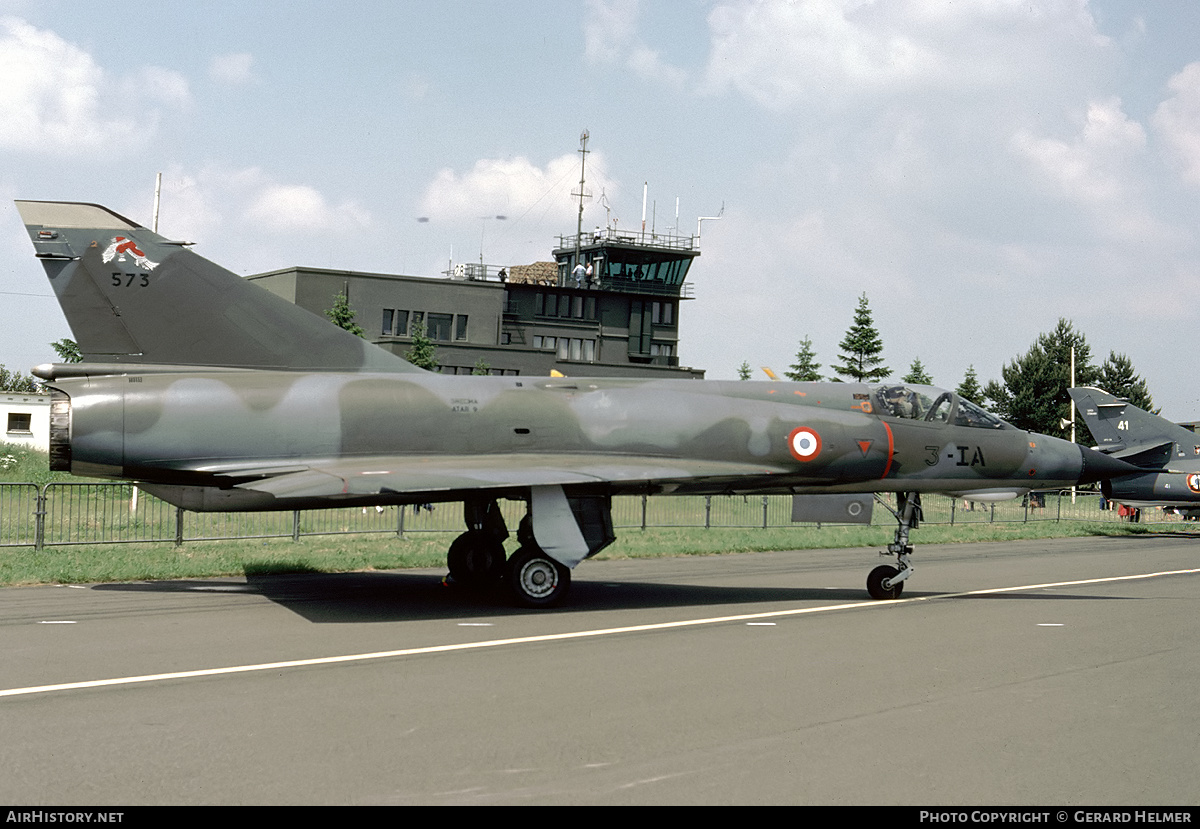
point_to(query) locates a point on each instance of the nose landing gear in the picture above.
(885, 581)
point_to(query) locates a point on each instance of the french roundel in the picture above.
(804, 444)
(1193, 482)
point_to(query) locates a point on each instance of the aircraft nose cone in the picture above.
(1098, 466)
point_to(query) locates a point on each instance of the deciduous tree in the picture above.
(15, 381)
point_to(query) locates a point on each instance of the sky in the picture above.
(978, 168)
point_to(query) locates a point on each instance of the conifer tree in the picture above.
(342, 315)
(969, 388)
(1034, 395)
(68, 350)
(806, 368)
(744, 371)
(862, 349)
(1118, 378)
(423, 353)
(917, 374)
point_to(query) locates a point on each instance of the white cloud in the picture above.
(1178, 120)
(510, 187)
(218, 203)
(1092, 167)
(298, 207)
(782, 54)
(461, 209)
(611, 37)
(609, 29)
(236, 68)
(415, 86)
(156, 83)
(54, 95)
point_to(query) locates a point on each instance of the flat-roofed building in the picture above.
(609, 305)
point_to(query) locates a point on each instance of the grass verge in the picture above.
(202, 559)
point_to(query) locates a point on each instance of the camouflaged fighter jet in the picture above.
(1167, 455)
(216, 395)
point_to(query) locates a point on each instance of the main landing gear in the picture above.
(885, 581)
(572, 528)
(535, 579)
(477, 560)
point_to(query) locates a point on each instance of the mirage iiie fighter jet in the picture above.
(1167, 455)
(214, 394)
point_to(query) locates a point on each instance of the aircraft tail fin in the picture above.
(1135, 435)
(133, 296)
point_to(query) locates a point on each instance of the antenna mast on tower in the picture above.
(583, 151)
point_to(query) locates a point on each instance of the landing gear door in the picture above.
(554, 527)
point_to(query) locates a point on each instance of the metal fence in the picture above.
(81, 513)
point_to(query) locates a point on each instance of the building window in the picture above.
(663, 313)
(388, 318)
(576, 349)
(20, 423)
(460, 327)
(494, 372)
(438, 326)
(401, 324)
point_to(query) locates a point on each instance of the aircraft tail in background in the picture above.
(1132, 434)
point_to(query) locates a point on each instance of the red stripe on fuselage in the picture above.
(891, 448)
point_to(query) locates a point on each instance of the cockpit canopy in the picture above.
(934, 405)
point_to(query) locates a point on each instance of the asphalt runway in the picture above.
(765, 678)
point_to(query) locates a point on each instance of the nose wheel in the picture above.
(882, 584)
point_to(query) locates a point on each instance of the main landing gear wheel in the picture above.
(536, 579)
(476, 559)
(879, 583)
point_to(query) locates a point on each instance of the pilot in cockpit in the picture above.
(901, 402)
